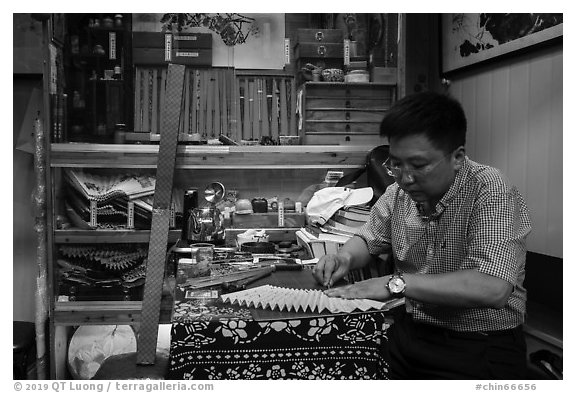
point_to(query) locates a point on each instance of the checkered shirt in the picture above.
(481, 223)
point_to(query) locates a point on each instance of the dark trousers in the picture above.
(421, 351)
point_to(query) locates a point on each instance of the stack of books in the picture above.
(328, 238)
(112, 201)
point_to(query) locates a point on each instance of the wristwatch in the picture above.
(396, 285)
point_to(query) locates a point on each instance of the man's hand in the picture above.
(374, 288)
(331, 268)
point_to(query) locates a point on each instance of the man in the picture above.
(457, 231)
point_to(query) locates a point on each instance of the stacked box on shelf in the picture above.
(154, 48)
(322, 48)
(344, 113)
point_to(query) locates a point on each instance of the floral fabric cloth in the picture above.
(348, 346)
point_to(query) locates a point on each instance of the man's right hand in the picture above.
(331, 268)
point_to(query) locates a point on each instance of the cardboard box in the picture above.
(153, 48)
(160, 56)
(319, 50)
(319, 36)
(384, 75)
(148, 39)
(192, 41)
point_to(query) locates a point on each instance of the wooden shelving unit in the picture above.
(191, 160)
(84, 155)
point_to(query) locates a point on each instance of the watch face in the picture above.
(396, 285)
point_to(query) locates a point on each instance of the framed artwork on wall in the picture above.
(469, 39)
(58, 28)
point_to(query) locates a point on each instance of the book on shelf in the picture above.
(316, 233)
(348, 221)
(313, 246)
(356, 213)
(103, 188)
(337, 228)
(316, 247)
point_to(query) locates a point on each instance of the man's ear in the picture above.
(459, 156)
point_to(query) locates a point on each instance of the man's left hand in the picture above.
(374, 288)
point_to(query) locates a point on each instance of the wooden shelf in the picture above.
(105, 312)
(108, 236)
(86, 155)
(98, 236)
(351, 84)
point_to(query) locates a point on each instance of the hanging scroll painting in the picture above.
(468, 39)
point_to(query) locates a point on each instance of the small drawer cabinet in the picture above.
(332, 113)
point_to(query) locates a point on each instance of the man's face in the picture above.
(434, 170)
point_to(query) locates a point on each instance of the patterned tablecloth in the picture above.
(333, 347)
(212, 340)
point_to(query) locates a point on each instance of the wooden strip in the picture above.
(274, 115)
(194, 79)
(235, 113)
(283, 109)
(253, 114)
(217, 88)
(210, 104)
(163, 78)
(225, 97)
(202, 108)
(292, 84)
(246, 119)
(137, 100)
(155, 109)
(146, 100)
(186, 103)
(265, 117)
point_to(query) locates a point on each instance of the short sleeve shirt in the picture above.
(481, 223)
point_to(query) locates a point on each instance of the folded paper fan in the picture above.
(289, 299)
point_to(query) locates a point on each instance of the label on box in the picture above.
(187, 54)
(280, 213)
(112, 45)
(287, 51)
(346, 52)
(172, 223)
(186, 38)
(130, 224)
(93, 214)
(168, 47)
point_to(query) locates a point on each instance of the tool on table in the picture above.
(242, 284)
(280, 263)
(229, 277)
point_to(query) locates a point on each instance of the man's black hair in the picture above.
(438, 116)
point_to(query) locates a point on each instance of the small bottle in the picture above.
(204, 256)
(107, 22)
(72, 291)
(190, 203)
(117, 72)
(126, 294)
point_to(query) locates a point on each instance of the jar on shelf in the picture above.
(203, 253)
(107, 22)
(118, 20)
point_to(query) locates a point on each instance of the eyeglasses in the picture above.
(414, 173)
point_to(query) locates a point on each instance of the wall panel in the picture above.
(514, 110)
